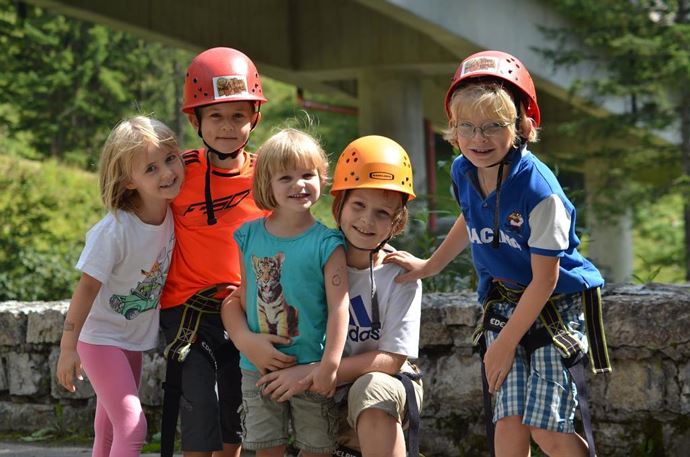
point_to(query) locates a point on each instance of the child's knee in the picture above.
(510, 423)
(550, 442)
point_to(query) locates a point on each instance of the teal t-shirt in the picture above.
(284, 284)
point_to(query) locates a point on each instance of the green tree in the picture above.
(64, 83)
(642, 49)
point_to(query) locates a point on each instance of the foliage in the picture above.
(45, 210)
(638, 58)
(64, 83)
(419, 240)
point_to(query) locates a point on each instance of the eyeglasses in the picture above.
(467, 129)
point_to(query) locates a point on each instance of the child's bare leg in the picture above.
(229, 450)
(380, 434)
(556, 444)
(512, 437)
(278, 451)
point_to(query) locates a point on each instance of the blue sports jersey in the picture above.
(535, 217)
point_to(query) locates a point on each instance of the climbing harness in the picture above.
(554, 331)
(187, 339)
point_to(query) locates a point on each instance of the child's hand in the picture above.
(282, 385)
(323, 380)
(68, 367)
(416, 267)
(260, 350)
(498, 362)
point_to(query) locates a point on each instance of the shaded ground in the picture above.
(45, 450)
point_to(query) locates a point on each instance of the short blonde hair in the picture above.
(288, 149)
(492, 100)
(129, 138)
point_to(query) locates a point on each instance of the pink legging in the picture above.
(120, 424)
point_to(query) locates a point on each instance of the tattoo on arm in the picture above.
(336, 280)
(68, 326)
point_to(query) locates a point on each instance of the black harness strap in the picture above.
(187, 338)
(554, 331)
(412, 411)
(594, 321)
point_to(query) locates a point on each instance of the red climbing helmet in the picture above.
(501, 66)
(220, 75)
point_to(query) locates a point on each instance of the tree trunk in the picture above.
(682, 18)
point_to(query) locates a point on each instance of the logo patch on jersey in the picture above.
(486, 236)
(360, 322)
(515, 221)
(219, 204)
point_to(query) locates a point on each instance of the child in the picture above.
(372, 185)
(222, 97)
(113, 315)
(294, 286)
(521, 227)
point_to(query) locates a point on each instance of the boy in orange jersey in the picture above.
(222, 97)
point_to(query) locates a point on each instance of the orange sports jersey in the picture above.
(207, 255)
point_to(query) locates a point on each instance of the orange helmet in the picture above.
(374, 162)
(500, 66)
(220, 75)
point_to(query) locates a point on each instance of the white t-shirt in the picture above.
(131, 260)
(399, 313)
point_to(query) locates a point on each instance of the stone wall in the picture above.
(642, 408)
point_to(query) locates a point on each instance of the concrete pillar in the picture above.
(611, 243)
(390, 104)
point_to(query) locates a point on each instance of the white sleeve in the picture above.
(549, 224)
(101, 252)
(403, 313)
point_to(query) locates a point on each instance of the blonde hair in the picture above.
(492, 100)
(130, 137)
(288, 149)
(399, 218)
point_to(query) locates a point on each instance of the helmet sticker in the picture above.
(227, 86)
(482, 64)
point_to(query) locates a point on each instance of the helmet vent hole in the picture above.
(352, 173)
(205, 94)
(357, 178)
(195, 80)
(347, 161)
(355, 159)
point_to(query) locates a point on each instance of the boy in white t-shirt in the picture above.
(380, 390)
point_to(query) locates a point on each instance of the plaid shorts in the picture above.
(539, 387)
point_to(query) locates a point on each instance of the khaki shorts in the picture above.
(265, 422)
(372, 390)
